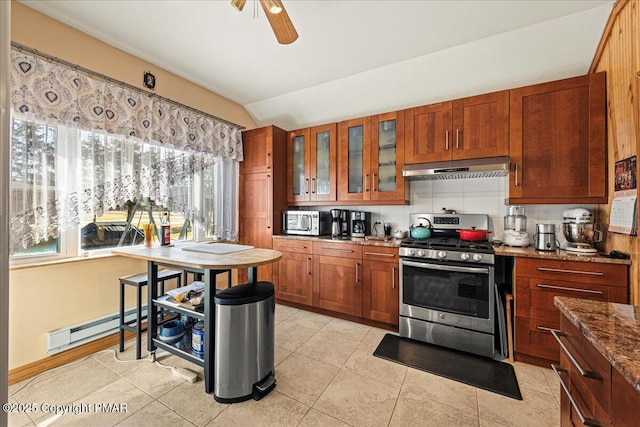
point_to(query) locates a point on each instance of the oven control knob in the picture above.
(477, 257)
(411, 252)
(421, 253)
(465, 257)
(442, 254)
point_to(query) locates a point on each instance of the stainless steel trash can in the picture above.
(244, 342)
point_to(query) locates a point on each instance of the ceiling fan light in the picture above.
(238, 4)
(273, 6)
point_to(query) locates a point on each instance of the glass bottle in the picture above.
(166, 230)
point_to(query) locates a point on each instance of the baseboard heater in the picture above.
(72, 336)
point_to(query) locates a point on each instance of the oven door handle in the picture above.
(457, 269)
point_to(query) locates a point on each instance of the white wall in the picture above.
(469, 196)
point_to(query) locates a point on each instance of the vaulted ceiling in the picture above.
(352, 58)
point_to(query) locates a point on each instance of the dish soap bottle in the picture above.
(166, 230)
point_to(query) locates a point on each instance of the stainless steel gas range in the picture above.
(447, 286)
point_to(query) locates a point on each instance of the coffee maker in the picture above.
(360, 223)
(339, 223)
(344, 218)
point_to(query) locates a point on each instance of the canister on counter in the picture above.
(197, 337)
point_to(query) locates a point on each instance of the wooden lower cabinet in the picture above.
(600, 395)
(293, 274)
(538, 281)
(381, 288)
(358, 280)
(337, 284)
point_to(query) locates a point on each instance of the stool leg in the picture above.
(121, 329)
(139, 324)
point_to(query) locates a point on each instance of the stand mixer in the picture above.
(580, 231)
(515, 227)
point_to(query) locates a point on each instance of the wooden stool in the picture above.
(139, 281)
(508, 302)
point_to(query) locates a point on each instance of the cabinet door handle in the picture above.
(516, 174)
(379, 254)
(268, 160)
(269, 213)
(457, 138)
(545, 329)
(587, 374)
(284, 245)
(308, 266)
(446, 140)
(393, 277)
(563, 288)
(586, 421)
(558, 270)
(366, 182)
(373, 182)
(306, 185)
(341, 250)
(313, 185)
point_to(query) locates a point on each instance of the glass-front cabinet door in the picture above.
(298, 166)
(387, 157)
(354, 178)
(323, 163)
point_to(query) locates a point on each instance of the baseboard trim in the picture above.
(32, 369)
(356, 319)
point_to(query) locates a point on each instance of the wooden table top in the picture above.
(202, 260)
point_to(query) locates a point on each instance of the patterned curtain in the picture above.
(82, 146)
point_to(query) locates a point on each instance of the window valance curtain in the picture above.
(52, 91)
(82, 146)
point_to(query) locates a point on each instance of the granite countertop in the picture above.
(369, 240)
(562, 255)
(613, 329)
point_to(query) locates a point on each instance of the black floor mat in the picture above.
(481, 372)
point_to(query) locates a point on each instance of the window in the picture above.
(112, 201)
(93, 160)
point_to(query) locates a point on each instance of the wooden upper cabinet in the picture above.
(467, 128)
(428, 133)
(257, 150)
(481, 126)
(387, 158)
(371, 158)
(312, 164)
(354, 157)
(558, 142)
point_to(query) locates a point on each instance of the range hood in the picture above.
(456, 169)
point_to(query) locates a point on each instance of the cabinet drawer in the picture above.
(343, 250)
(589, 371)
(293, 245)
(378, 253)
(534, 296)
(533, 337)
(575, 271)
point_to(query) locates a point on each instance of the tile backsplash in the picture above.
(472, 196)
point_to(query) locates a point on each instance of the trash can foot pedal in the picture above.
(261, 388)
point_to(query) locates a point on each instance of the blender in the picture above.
(580, 231)
(515, 227)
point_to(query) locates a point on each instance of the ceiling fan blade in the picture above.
(281, 25)
(238, 4)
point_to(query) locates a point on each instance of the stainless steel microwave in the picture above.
(306, 223)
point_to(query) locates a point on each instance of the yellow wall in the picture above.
(621, 60)
(49, 297)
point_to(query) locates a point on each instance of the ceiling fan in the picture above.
(278, 19)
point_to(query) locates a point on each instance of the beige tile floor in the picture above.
(326, 376)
